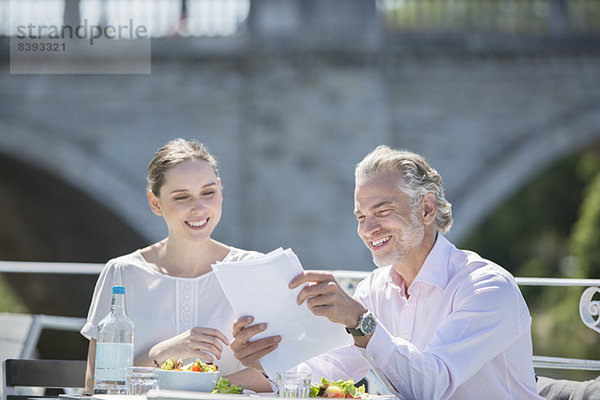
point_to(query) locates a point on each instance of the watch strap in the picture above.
(358, 330)
(355, 331)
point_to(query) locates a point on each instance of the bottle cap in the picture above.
(118, 289)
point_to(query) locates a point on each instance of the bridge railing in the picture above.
(166, 18)
(217, 18)
(541, 18)
(589, 312)
(589, 304)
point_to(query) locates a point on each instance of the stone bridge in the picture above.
(289, 108)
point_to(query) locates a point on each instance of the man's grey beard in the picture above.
(410, 238)
(394, 257)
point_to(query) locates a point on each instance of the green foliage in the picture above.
(9, 301)
(551, 228)
(585, 242)
(498, 16)
(531, 229)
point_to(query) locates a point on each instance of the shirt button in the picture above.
(405, 337)
(373, 357)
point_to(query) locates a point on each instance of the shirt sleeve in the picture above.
(100, 305)
(485, 320)
(343, 363)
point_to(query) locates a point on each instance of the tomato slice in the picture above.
(196, 368)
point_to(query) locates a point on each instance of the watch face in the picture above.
(367, 325)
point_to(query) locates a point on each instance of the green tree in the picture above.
(8, 300)
(539, 232)
(585, 241)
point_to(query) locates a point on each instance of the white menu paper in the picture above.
(259, 287)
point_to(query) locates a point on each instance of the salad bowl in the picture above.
(187, 380)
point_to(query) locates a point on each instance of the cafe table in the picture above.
(158, 394)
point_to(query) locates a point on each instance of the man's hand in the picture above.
(324, 296)
(247, 352)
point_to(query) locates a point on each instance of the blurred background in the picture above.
(501, 96)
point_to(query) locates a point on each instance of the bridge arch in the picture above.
(81, 166)
(287, 160)
(45, 218)
(520, 161)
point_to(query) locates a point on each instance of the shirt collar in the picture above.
(435, 268)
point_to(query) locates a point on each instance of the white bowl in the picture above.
(187, 380)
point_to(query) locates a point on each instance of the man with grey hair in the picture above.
(433, 322)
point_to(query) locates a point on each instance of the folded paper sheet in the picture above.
(259, 287)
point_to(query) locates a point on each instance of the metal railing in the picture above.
(165, 18)
(41, 322)
(26, 267)
(589, 308)
(218, 18)
(589, 311)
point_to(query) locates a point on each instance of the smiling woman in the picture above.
(173, 298)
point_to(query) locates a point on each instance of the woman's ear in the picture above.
(154, 204)
(220, 184)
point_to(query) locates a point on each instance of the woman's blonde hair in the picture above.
(418, 178)
(175, 152)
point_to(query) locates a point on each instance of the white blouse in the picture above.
(163, 306)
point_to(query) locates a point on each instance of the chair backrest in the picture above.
(41, 373)
(563, 389)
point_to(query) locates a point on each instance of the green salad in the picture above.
(340, 389)
(224, 386)
(197, 366)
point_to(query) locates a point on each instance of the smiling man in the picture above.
(433, 322)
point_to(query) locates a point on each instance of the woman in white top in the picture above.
(172, 295)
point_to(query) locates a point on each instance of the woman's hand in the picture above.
(204, 343)
(249, 352)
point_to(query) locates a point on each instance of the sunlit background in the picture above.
(202, 17)
(502, 97)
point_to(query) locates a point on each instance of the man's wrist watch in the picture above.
(366, 325)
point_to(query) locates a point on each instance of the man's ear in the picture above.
(153, 202)
(429, 208)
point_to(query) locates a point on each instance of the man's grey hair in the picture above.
(418, 179)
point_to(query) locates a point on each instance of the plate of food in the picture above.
(343, 389)
(197, 376)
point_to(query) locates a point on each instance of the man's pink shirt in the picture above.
(462, 333)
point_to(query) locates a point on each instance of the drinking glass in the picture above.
(292, 384)
(140, 380)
